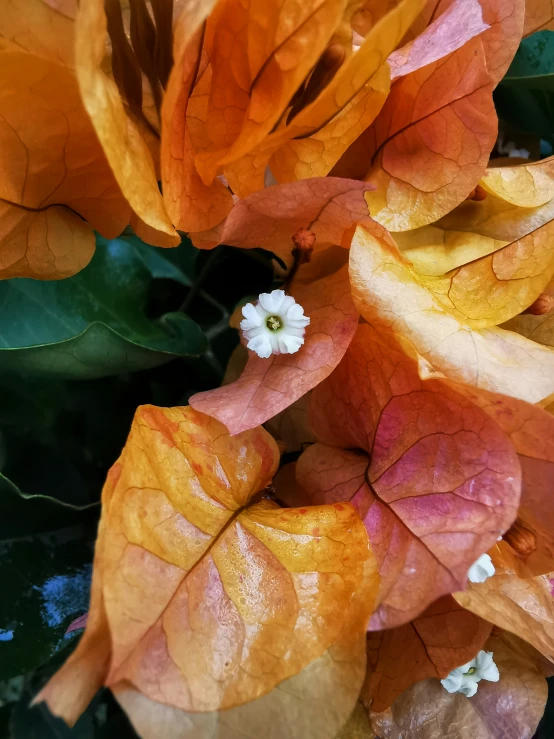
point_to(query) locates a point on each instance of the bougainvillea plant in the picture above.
(294, 241)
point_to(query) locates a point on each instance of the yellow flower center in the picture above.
(274, 323)
(470, 671)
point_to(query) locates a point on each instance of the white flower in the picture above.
(275, 325)
(481, 570)
(464, 679)
(509, 148)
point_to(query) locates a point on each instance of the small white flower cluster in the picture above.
(464, 679)
(481, 570)
(274, 325)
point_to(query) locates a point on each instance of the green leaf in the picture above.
(45, 585)
(172, 264)
(95, 323)
(533, 65)
(531, 111)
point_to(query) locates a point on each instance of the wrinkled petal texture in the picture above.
(268, 386)
(323, 130)
(388, 294)
(459, 23)
(209, 605)
(496, 287)
(434, 250)
(311, 705)
(524, 606)
(497, 218)
(439, 640)
(510, 708)
(51, 157)
(519, 201)
(537, 328)
(501, 40)
(192, 205)
(121, 139)
(437, 481)
(328, 207)
(259, 57)
(526, 185)
(531, 431)
(539, 16)
(425, 157)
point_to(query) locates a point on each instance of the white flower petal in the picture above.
(251, 316)
(469, 686)
(290, 344)
(289, 336)
(491, 673)
(261, 345)
(481, 570)
(295, 312)
(288, 303)
(262, 312)
(452, 683)
(272, 302)
(486, 668)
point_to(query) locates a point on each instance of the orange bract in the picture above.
(424, 158)
(428, 456)
(327, 207)
(531, 431)
(44, 186)
(192, 205)
(122, 140)
(539, 16)
(389, 294)
(524, 606)
(291, 86)
(510, 708)
(259, 56)
(443, 637)
(200, 603)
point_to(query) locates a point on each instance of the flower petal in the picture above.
(272, 302)
(481, 570)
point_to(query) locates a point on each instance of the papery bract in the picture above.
(539, 328)
(435, 250)
(539, 16)
(200, 604)
(435, 485)
(322, 131)
(500, 41)
(328, 207)
(497, 218)
(192, 205)
(524, 606)
(122, 140)
(526, 185)
(531, 430)
(54, 169)
(443, 637)
(450, 29)
(493, 288)
(257, 69)
(426, 157)
(510, 708)
(388, 294)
